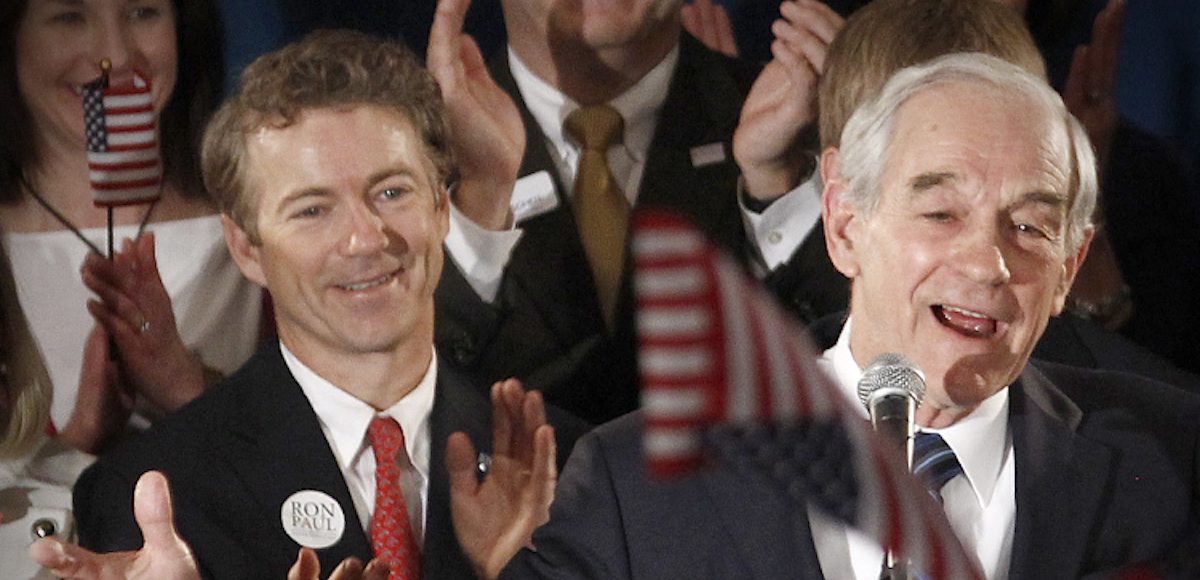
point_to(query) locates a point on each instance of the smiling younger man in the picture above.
(331, 166)
(959, 205)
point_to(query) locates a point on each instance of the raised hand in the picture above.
(496, 518)
(710, 24)
(164, 555)
(487, 134)
(102, 407)
(1092, 79)
(783, 101)
(135, 310)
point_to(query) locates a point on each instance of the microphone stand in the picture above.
(892, 417)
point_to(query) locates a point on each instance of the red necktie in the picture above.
(391, 532)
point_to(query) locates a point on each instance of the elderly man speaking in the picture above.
(960, 246)
(958, 204)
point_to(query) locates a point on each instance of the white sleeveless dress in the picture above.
(216, 309)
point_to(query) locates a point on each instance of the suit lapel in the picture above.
(457, 406)
(276, 447)
(701, 109)
(1060, 479)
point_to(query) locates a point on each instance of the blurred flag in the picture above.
(122, 142)
(718, 356)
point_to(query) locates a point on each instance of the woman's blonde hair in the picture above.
(25, 390)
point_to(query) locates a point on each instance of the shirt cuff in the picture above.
(779, 229)
(481, 254)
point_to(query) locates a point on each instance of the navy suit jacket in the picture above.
(546, 326)
(233, 457)
(1106, 475)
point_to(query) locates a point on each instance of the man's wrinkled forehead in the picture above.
(937, 132)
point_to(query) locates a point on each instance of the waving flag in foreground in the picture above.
(122, 142)
(718, 356)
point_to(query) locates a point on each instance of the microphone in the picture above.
(890, 389)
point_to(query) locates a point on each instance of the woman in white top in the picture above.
(36, 471)
(50, 50)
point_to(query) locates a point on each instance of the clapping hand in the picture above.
(496, 518)
(487, 134)
(164, 555)
(783, 101)
(134, 309)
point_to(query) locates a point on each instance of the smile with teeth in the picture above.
(967, 322)
(358, 286)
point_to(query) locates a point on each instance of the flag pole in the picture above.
(105, 69)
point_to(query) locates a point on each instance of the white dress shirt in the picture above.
(344, 421)
(482, 254)
(980, 505)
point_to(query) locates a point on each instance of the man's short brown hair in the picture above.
(327, 69)
(888, 35)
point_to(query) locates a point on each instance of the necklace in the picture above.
(75, 229)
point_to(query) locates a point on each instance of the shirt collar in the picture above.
(639, 106)
(979, 440)
(344, 418)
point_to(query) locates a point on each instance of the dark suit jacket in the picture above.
(235, 454)
(546, 327)
(1106, 475)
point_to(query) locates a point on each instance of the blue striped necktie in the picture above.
(934, 463)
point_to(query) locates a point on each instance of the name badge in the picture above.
(313, 519)
(708, 154)
(533, 195)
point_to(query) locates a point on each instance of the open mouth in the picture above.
(966, 322)
(368, 284)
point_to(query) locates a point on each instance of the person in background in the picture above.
(172, 301)
(1143, 274)
(620, 110)
(36, 471)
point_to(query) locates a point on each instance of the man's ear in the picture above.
(1070, 269)
(839, 215)
(244, 251)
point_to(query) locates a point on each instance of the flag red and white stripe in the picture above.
(715, 349)
(124, 166)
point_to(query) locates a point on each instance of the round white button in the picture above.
(313, 519)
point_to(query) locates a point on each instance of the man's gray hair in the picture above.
(868, 135)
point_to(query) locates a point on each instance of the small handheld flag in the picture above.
(122, 142)
(724, 370)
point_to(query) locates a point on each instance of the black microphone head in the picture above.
(891, 373)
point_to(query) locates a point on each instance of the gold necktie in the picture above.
(601, 210)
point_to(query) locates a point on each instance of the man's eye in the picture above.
(70, 17)
(938, 216)
(1030, 229)
(393, 193)
(145, 13)
(308, 212)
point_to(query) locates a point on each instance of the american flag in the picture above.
(717, 355)
(122, 142)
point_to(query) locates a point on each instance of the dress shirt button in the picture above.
(774, 237)
(462, 350)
